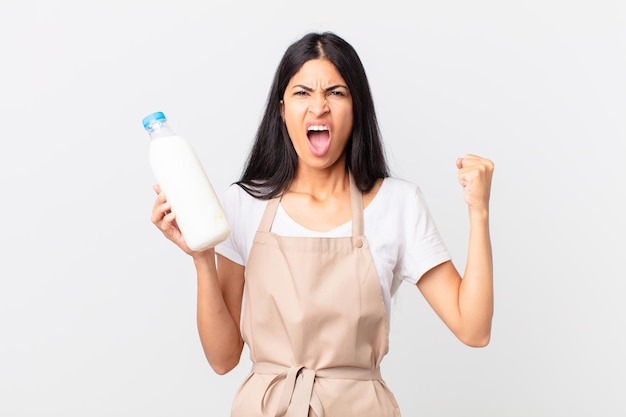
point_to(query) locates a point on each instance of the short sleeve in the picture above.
(231, 248)
(423, 246)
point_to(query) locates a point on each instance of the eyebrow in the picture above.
(327, 89)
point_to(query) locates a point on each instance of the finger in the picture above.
(464, 177)
(475, 162)
(467, 175)
(157, 188)
(160, 200)
(160, 211)
(168, 219)
(469, 160)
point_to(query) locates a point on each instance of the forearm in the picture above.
(218, 329)
(476, 290)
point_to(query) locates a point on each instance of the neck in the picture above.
(321, 184)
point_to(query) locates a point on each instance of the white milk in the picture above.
(182, 178)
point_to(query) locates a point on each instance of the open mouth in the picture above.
(319, 139)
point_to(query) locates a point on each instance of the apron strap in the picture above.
(268, 215)
(356, 202)
(356, 199)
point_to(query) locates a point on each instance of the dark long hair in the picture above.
(272, 163)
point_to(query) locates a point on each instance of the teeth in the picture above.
(318, 128)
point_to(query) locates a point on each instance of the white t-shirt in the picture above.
(402, 236)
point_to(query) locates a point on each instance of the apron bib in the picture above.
(316, 325)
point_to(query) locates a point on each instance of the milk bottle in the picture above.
(182, 178)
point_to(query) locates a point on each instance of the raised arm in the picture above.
(466, 304)
(219, 294)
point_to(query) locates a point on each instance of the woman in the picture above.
(321, 238)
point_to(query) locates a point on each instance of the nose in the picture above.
(318, 104)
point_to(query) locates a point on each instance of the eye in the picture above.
(300, 93)
(337, 93)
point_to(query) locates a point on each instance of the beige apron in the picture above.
(316, 325)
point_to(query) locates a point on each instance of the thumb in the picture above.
(459, 163)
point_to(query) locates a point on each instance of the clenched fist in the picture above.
(475, 175)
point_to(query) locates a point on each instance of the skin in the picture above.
(318, 95)
(319, 199)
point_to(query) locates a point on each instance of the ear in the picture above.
(282, 110)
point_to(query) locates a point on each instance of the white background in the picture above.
(97, 309)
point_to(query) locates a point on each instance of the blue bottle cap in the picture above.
(151, 118)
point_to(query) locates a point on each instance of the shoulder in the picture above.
(399, 185)
(244, 213)
(398, 191)
(396, 201)
(241, 208)
(235, 196)
(400, 202)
